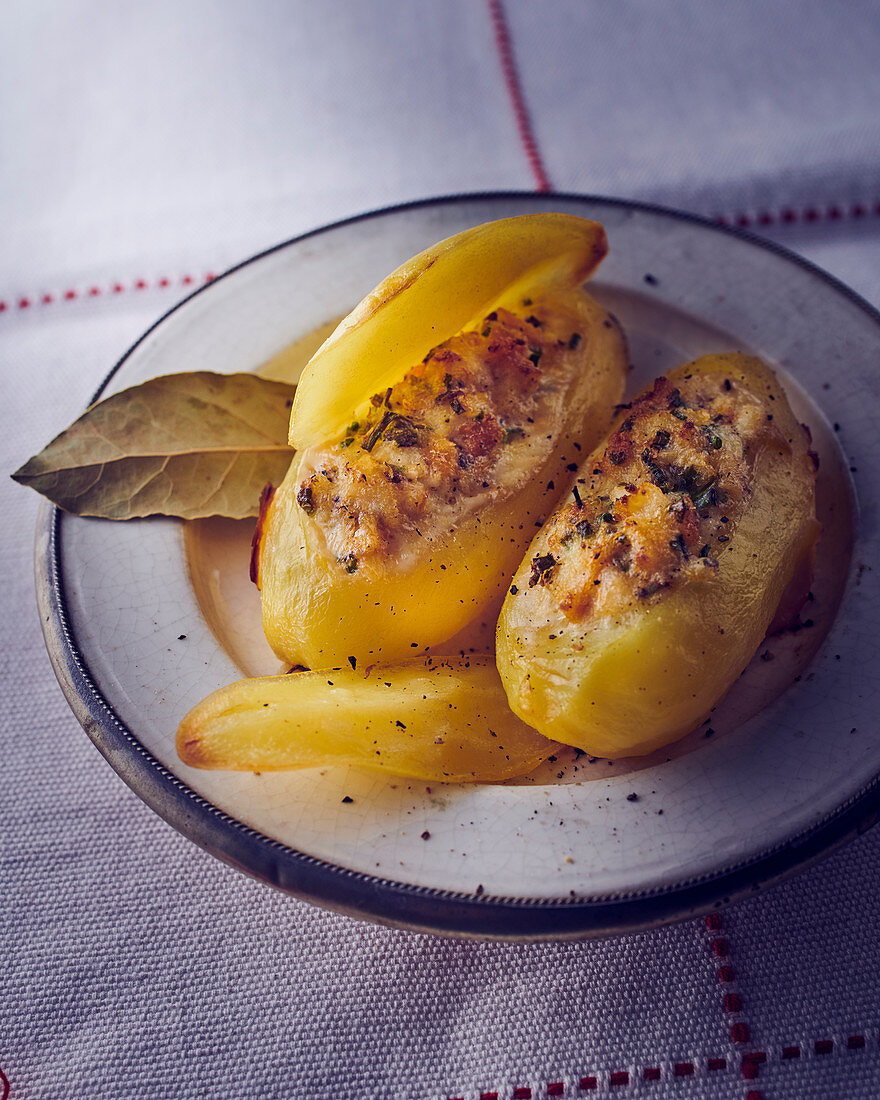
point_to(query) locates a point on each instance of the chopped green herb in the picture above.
(304, 498)
(584, 529)
(542, 567)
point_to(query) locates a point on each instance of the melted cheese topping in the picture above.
(661, 503)
(464, 426)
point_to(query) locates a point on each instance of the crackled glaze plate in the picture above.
(145, 618)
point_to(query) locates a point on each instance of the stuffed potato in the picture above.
(648, 591)
(434, 429)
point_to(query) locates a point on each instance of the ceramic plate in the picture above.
(143, 619)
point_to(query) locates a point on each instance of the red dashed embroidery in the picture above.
(788, 215)
(514, 90)
(71, 295)
(749, 1069)
(785, 216)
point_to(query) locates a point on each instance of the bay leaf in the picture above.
(190, 445)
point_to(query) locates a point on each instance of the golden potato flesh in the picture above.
(647, 593)
(443, 719)
(396, 530)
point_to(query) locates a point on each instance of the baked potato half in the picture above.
(434, 429)
(647, 592)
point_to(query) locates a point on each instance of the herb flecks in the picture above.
(542, 569)
(305, 499)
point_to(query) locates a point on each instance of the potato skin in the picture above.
(625, 680)
(448, 287)
(442, 719)
(317, 614)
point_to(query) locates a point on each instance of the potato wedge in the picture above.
(447, 288)
(429, 451)
(437, 719)
(647, 593)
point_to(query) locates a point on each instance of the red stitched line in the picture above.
(750, 1061)
(740, 1033)
(786, 216)
(72, 294)
(790, 215)
(514, 90)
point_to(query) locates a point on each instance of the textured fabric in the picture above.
(145, 146)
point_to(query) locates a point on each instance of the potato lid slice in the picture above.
(433, 296)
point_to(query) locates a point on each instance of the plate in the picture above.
(143, 619)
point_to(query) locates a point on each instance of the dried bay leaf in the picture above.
(189, 445)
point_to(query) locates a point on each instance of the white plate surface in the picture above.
(145, 620)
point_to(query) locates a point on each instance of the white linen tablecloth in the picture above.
(147, 146)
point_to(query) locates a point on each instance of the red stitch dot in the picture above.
(210, 277)
(652, 1074)
(788, 215)
(522, 1093)
(823, 1046)
(753, 1094)
(69, 295)
(118, 288)
(726, 974)
(24, 303)
(683, 1069)
(713, 922)
(740, 1033)
(721, 219)
(855, 1042)
(619, 1077)
(733, 1002)
(2, 307)
(791, 1052)
(140, 284)
(743, 220)
(877, 207)
(720, 948)
(858, 211)
(557, 1088)
(716, 1063)
(514, 91)
(834, 213)
(47, 299)
(488, 1096)
(588, 1084)
(766, 218)
(187, 280)
(94, 291)
(163, 282)
(749, 1070)
(811, 214)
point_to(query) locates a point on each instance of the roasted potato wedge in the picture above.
(434, 429)
(648, 591)
(441, 719)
